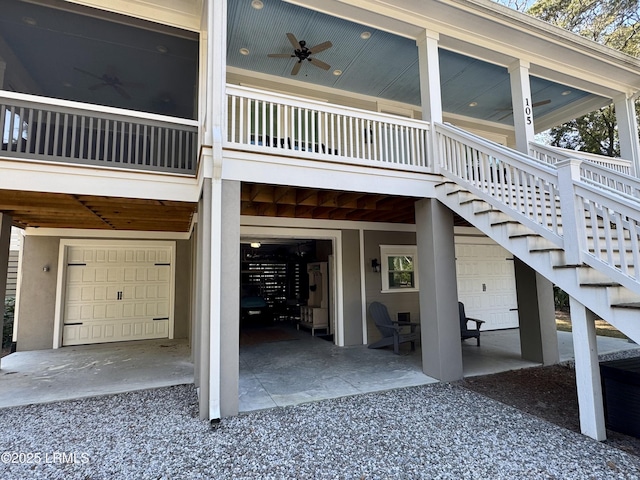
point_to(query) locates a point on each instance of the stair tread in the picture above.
(632, 305)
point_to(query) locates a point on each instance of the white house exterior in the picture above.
(145, 141)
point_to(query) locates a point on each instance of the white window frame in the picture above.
(387, 251)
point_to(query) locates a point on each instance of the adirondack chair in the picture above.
(393, 333)
(464, 331)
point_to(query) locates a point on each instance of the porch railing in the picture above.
(614, 173)
(39, 128)
(269, 122)
(592, 222)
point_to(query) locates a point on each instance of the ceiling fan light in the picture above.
(365, 35)
(257, 4)
(337, 73)
(244, 51)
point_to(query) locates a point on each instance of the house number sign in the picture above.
(528, 111)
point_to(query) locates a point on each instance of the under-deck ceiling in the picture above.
(57, 210)
(313, 203)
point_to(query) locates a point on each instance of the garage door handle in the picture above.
(162, 318)
(162, 264)
(77, 323)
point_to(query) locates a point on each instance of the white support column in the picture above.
(628, 131)
(588, 383)
(5, 240)
(439, 319)
(203, 305)
(430, 91)
(522, 105)
(226, 286)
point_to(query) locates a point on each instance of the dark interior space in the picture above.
(284, 283)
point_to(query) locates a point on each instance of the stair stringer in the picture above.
(596, 298)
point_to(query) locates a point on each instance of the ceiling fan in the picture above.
(302, 52)
(510, 109)
(109, 79)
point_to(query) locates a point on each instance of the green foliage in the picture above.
(592, 133)
(560, 298)
(7, 330)
(615, 23)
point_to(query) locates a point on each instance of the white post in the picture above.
(430, 91)
(585, 351)
(573, 224)
(628, 131)
(522, 105)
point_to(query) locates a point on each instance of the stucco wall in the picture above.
(395, 302)
(352, 303)
(182, 306)
(38, 292)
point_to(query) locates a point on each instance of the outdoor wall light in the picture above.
(375, 265)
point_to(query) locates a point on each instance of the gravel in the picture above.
(433, 431)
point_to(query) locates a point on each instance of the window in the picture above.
(399, 268)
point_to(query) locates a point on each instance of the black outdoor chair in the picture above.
(464, 331)
(393, 333)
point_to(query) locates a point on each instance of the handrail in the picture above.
(552, 155)
(612, 173)
(566, 202)
(506, 179)
(262, 121)
(39, 128)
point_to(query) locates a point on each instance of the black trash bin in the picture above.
(621, 392)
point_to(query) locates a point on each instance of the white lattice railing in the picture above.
(262, 121)
(39, 128)
(593, 223)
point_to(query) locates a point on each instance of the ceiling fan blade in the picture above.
(296, 68)
(321, 47)
(280, 55)
(87, 73)
(543, 102)
(320, 63)
(98, 86)
(122, 92)
(294, 41)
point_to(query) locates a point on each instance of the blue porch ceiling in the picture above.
(382, 66)
(62, 53)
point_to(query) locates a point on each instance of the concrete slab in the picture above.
(276, 373)
(43, 376)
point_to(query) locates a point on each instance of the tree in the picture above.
(615, 23)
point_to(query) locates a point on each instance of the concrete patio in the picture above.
(294, 370)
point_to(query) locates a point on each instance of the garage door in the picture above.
(486, 284)
(117, 293)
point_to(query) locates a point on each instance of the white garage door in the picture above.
(487, 285)
(117, 293)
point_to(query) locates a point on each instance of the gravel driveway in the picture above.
(433, 431)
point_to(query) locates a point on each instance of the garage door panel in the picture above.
(117, 294)
(486, 284)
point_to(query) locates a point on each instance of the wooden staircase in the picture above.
(591, 251)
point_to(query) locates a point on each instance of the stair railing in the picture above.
(593, 223)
